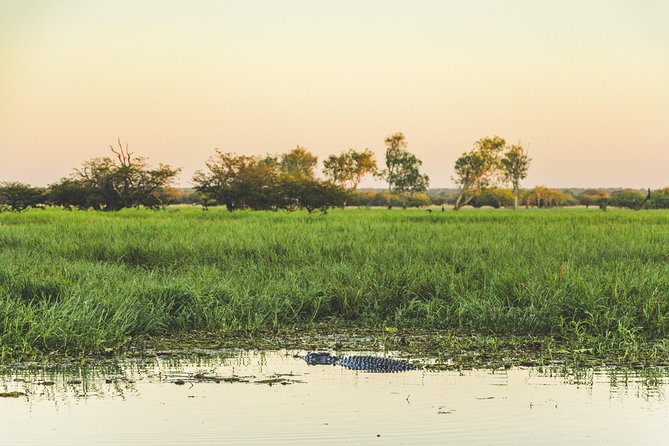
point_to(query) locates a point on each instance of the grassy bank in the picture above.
(84, 282)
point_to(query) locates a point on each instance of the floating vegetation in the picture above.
(13, 394)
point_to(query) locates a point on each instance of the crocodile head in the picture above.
(319, 358)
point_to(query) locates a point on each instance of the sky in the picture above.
(584, 85)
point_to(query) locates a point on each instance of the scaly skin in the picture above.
(366, 363)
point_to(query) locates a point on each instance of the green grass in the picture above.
(81, 282)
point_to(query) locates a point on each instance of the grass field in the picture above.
(88, 282)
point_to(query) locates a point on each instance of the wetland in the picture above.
(182, 326)
(273, 397)
(572, 283)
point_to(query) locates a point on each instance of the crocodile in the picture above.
(366, 363)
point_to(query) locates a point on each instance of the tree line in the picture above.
(543, 197)
(289, 181)
(271, 182)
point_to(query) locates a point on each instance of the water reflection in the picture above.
(639, 383)
(274, 398)
(118, 379)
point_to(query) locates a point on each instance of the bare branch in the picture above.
(124, 155)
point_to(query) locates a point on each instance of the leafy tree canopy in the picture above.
(115, 183)
(17, 196)
(402, 172)
(349, 168)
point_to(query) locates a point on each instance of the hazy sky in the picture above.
(584, 84)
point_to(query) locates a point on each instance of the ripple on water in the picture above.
(275, 398)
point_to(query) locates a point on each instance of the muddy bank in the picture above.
(433, 349)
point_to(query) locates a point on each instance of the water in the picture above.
(274, 398)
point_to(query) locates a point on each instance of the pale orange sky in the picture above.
(584, 83)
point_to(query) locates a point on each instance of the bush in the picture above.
(17, 196)
(594, 197)
(659, 199)
(71, 193)
(493, 197)
(544, 197)
(310, 194)
(627, 198)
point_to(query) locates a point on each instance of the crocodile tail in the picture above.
(375, 364)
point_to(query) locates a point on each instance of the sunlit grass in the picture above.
(84, 282)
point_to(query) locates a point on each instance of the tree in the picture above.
(493, 197)
(443, 196)
(257, 187)
(545, 197)
(19, 196)
(349, 168)
(311, 194)
(629, 198)
(402, 169)
(659, 199)
(592, 197)
(72, 193)
(298, 162)
(249, 182)
(238, 181)
(477, 169)
(218, 183)
(170, 195)
(515, 163)
(411, 181)
(419, 200)
(395, 149)
(123, 182)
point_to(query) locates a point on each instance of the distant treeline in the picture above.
(17, 197)
(543, 197)
(289, 181)
(539, 197)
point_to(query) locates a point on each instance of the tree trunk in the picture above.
(390, 206)
(457, 202)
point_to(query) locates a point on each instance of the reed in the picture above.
(81, 282)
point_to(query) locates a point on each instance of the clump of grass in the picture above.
(86, 282)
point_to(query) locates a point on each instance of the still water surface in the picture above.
(275, 398)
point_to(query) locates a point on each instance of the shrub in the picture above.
(627, 198)
(17, 196)
(493, 197)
